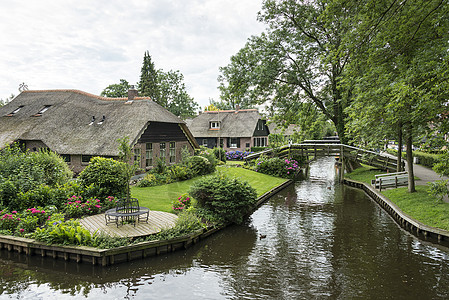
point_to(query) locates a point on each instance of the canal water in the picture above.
(316, 239)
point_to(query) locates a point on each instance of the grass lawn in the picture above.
(160, 197)
(420, 205)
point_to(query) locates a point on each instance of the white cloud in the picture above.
(88, 45)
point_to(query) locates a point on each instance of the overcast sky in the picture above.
(90, 44)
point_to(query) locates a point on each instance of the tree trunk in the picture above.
(399, 157)
(409, 142)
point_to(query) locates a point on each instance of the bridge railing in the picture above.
(309, 150)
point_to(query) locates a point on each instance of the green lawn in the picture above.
(160, 197)
(420, 205)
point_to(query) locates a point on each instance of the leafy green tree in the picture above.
(118, 90)
(396, 74)
(300, 58)
(173, 94)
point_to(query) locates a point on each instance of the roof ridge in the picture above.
(230, 111)
(86, 94)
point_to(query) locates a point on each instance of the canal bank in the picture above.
(418, 229)
(105, 257)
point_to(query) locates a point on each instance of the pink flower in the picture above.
(97, 206)
(49, 217)
(14, 211)
(21, 230)
(43, 211)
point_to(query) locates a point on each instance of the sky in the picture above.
(90, 44)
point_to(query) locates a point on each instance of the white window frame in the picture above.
(214, 125)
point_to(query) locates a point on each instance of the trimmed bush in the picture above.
(229, 199)
(105, 177)
(280, 167)
(200, 165)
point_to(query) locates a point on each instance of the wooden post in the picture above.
(342, 168)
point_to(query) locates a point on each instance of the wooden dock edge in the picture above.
(105, 257)
(418, 229)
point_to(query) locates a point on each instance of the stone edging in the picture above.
(418, 229)
(105, 257)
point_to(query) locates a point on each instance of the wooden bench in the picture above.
(127, 210)
(390, 180)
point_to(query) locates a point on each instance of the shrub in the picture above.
(199, 165)
(438, 189)
(442, 165)
(220, 154)
(179, 173)
(228, 198)
(67, 233)
(105, 177)
(55, 169)
(181, 204)
(286, 168)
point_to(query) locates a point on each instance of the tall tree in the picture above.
(117, 90)
(173, 94)
(6, 100)
(396, 72)
(148, 85)
(300, 58)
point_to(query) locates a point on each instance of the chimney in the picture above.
(132, 93)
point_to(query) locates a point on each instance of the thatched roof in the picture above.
(66, 127)
(233, 123)
(279, 129)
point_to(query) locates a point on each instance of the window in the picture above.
(15, 111)
(214, 125)
(66, 157)
(205, 142)
(260, 142)
(260, 125)
(233, 143)
(44, 109)
(172, 153)
(162, 150)
(137, 155)
(86, 158)
(149, 155)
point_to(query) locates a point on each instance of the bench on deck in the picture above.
(127, 210)
(390, 180)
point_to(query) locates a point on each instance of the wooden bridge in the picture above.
(348, 155)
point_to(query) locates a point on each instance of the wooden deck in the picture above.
(157, 221)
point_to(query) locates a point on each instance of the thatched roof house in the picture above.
(238, 129)
(79, 125)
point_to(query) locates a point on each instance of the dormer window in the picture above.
(15, 111)
(214, 125)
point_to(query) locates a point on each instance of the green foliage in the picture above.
(105, 177)
(66, 233)
(220, 154)
(187, 223)
(442, 164)
(181, 204)
(229, 199)
(438, 189)
(258, 149)
(200, 165)
(279, 167)
(166, 88)
(23, 174)
(119, 90)
(103, 241)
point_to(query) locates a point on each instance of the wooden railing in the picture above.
(314, 150)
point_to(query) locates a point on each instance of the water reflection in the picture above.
(321, 240)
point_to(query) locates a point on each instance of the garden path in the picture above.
(157, 221)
